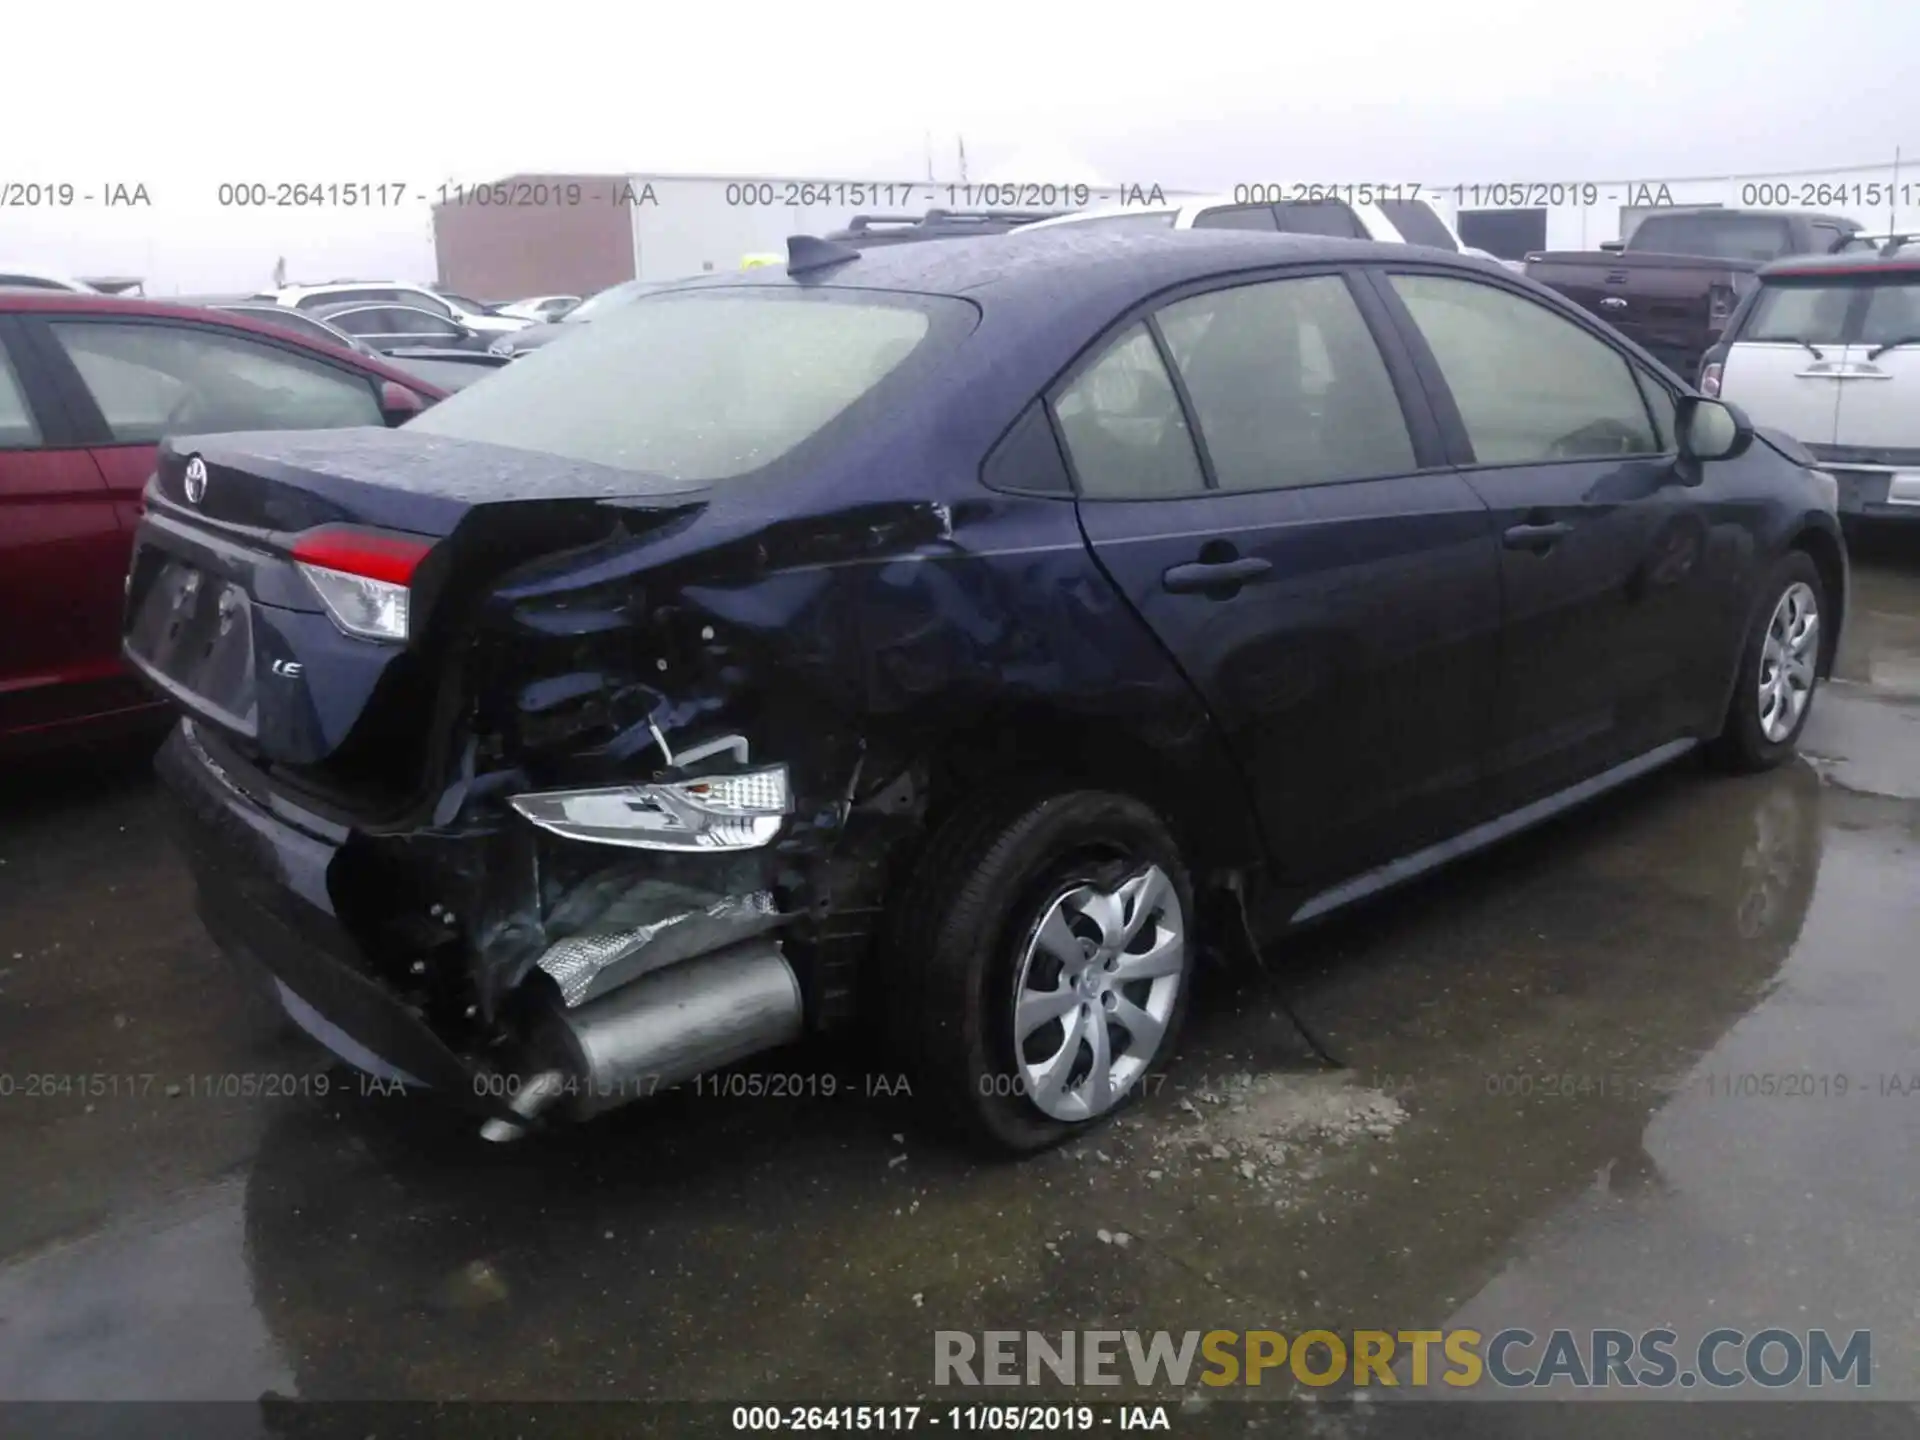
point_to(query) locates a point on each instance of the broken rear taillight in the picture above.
(362, 577)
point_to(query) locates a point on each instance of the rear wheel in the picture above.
(1041, 959)
(1779, 669)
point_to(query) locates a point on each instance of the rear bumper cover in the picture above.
(261, 891)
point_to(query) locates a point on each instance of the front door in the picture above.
(1615, 576)
(1266, 493)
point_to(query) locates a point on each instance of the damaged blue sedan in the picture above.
(962, 639)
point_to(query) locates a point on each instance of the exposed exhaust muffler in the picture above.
(663, 1028)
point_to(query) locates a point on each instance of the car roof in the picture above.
(67, 302)
(1029, 263)
(1845, 222)
(1038, 289)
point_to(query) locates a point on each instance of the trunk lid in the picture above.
(222, 617)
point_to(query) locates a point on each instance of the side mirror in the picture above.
(1613, 247)
(1711, 429)
(398, 404)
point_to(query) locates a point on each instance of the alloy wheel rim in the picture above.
(1096, 990)
(1787, 661)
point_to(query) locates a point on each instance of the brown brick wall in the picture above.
(535, 244)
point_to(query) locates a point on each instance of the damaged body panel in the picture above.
(491, 817)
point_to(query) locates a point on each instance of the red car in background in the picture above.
(88, 385)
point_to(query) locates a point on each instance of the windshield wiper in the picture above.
(1879, 350)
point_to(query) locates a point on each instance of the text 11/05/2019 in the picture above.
(909, 1419)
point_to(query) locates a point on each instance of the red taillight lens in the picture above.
(371, 554)
(362, 576)
(1710, 378)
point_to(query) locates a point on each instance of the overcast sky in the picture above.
(1203, 94)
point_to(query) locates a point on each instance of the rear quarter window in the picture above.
(705, 386)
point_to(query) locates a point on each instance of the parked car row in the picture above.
(1673, 284)
(88, 386)
(964, 637)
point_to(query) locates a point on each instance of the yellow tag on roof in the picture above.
(754, 262)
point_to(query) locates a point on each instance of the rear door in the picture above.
(1617, 581)
(1265, 485)
(62, 556)
(1787, 364)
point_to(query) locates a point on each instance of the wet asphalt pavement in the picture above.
(1551, 1109)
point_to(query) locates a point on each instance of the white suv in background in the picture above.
(1827, 348)
(1395, 222)
(397, 292)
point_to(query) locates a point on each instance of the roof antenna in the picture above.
(807, 253)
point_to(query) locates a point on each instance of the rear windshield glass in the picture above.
(1417, 223)
(702, 386)
(1834, 312)
(1724, 237)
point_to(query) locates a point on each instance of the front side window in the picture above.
(1799, 313)
(697, 386)
(1531, 386)
(1320, 217)
(17, 428)
(1287, 384)
(1236, 217)
(1123, 426)
(151, 380)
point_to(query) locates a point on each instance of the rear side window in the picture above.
(1417, 223)
(1236, 217)
(1727, 237)
(151, 380)
(1810, 314)
(1287, 385)
(1124, 428)
(707, 385)
(17, 428)
(1531, 386)
(1320, 217)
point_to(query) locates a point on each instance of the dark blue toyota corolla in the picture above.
(960, 637)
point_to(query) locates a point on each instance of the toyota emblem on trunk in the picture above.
(196, 481)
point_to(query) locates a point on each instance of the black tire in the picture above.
(957, 934)
(1742, 746)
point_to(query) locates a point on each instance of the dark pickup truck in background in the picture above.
(1673, 284)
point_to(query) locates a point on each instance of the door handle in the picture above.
(1613, 302)
(1220, 577)
(1537, 538)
